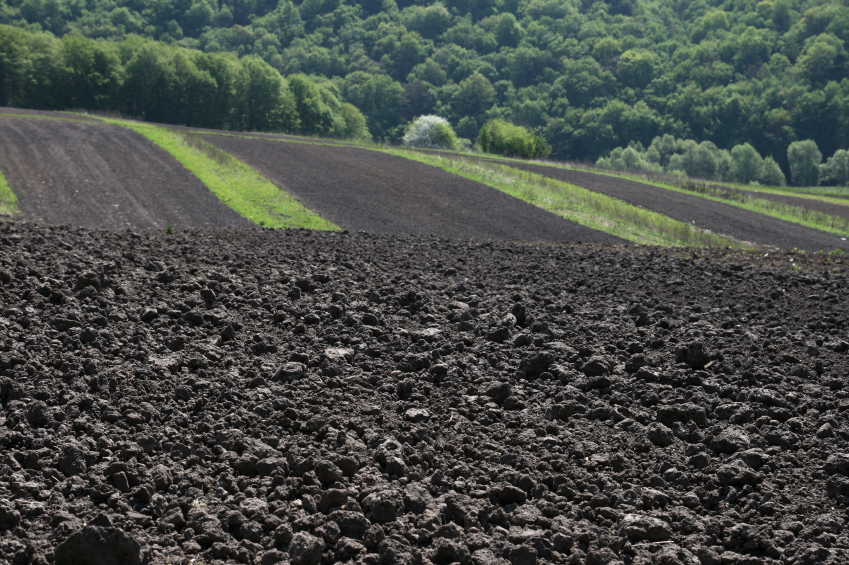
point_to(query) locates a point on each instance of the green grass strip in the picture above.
(715, 187)
(234, 183)
(36, 117)
(579, 205)
(821, 193)
(781, 210)
(8, 200)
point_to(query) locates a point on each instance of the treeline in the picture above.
(589, 76)
(157, 82)
(743, 164)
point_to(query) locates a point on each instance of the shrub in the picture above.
(771, 174)
(836, 169)
(432, 132)
(628, 159)
(746, 164)
(804, 158)
(503, 138)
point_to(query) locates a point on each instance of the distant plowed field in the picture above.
(102, 176)
(714, 216)
(366, 190)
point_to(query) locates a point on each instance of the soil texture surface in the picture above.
(707, 214)
(260, 397)
(359, 189)
(102, 176)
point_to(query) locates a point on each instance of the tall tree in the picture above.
(804, 158)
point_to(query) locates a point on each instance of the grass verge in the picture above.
(36, 117)
(8, 200)
(817, 191)
(577, 204)
(781, 210)
(234, 183)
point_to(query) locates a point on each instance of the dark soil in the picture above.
(262, 397)
(366, 190)
(102, 176)
(714, 216)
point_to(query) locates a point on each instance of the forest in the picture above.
(588, 77)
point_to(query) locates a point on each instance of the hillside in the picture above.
(590, 76)
(103, 176)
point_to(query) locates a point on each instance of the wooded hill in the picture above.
(589, 76)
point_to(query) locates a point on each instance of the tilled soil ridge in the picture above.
(359, 189)
(103, 176)
(224, 396)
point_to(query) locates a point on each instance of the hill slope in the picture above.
(367, 190)
(102, 176)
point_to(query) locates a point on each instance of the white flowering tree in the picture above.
(431, 132)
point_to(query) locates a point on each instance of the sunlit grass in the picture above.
(8, 200)
(579, 205)
(38, 117)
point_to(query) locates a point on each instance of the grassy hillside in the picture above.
(590, 76)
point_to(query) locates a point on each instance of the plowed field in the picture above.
(102, 176)
(714, 216)
(268, 397)
(366, 190)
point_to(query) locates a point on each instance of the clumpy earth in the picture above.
(102, 176)
(268, 397)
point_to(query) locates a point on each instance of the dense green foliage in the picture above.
(804, 158)
(588, 76)
(685, 157)
(502, 138)
(836, 169)
(163, 83)
(743, 164)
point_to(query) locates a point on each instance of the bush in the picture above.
(836, 169)
(503, 138)
(628, 159)
(804, 158)
(771, 174)
(746, 164)
(432, 132)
